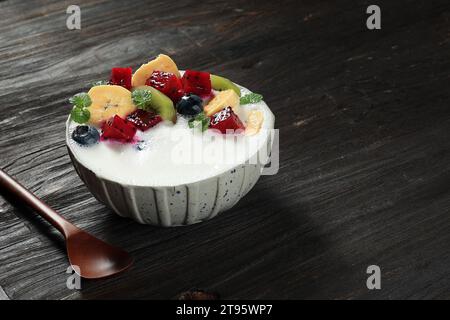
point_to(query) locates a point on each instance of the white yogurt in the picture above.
(173, 154)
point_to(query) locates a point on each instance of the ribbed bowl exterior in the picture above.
(177, 205)
(172, 206)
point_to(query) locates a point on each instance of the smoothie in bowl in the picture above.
(168, 147)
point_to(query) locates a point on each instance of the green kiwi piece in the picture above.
(161, 104)
(221, 83)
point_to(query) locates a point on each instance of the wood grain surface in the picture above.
(364, 121)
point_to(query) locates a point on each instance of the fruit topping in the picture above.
(207, 98)
(142, 98)
(118, 129)
(190, 105)
(121, 77)
(144, 120)
(161, 63)
(167, 83)
(156, 92)
(227, 98)
(81, 102)
(85, 135)
(197, 82)
(200, 121)
(254, 122)
(158, 102)
(108, 101)
(251, 98)
(226, 120)
(221, 83)
(80, 115)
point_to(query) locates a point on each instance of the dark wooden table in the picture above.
(364, 121)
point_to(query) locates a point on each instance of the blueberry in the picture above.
(190, 105)
(85, 135)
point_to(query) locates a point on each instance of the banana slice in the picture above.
(161, 63)
(223, 99)
(254, 122)
(107, 101)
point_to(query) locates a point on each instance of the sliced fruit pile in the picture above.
(157, 92)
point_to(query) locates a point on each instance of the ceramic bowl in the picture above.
(176, 205)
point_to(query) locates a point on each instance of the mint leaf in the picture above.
(194, 124)
(80, 115)
(142, 98)
(100, 83)
(81, 100)
(251, 98)
(200, 121)
(205, 124)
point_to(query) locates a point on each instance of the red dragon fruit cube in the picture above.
(121, 77)
(167, 83)
(144, 120)
(226, 120)
(197, 82)
(118, 129)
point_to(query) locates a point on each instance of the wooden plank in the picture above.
(365, 147)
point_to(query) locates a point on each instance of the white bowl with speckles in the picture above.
(176, 205)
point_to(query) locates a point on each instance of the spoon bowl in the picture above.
(90, 257)
(93, 258)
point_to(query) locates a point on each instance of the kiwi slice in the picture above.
(221, 83)
(161, 104)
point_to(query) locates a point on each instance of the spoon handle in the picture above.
(11, 185)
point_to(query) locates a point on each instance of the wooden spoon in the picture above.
(89, 256)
